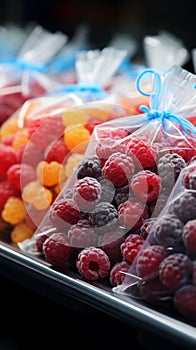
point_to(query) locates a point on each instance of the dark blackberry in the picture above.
(103, 217)
(184, 206)
(167, 231)
(89, 166)
(122, 194)
(169, 167)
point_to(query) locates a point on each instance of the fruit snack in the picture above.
(40, 146)
(118, 188)
(25, 76)
(163, 272)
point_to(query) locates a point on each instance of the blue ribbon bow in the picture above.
(22, 64)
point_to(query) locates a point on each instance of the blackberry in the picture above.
(89, 166)
(167, 231)
(158, 204)
(184, 206)
(103, 217)
(122, 194)
(169, 167)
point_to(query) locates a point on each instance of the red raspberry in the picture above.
(40, 239)
(146, 227)
(29, 154)
(186, 148)
(93, 263)
(189, 236)
(63, 213)
(154, 292)
(113, 133)
(118, 273)
(185, 301)
(148, 261)
(131, 246)
(189, 178)
(119, 169)
(19, 175)
(87, 193)
(111, 241)
(132, 213)
(57, 250)
(174, 270)
(107, 147)
(8, 157)
(146, 185)
(82, 235)
(144, 154)
(56, 151)
(6, 192)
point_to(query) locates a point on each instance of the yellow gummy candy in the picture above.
(72, 162)
(76, 138)
(21, 232)
(14, 211)
(73, 117)
(49, 174)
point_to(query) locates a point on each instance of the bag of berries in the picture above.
(25, 76)
(123, 181)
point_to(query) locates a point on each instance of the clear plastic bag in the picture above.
(116, 187)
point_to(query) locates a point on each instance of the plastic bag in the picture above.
(116, 187)
(164, 270)
(23, 77)
(41, 144)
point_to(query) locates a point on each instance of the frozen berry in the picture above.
(49, 174)
(146, 227)
(21, 232)
(189, 236)
(184, 206)
(148, 261)
(189, 178)
(57, 250)
(122, 194)
(118, 273)
(103, 217)
(132, 213)
(76, 138)
(107, 147)
(72, 162)
(93, 264)
(89, 166)
(185, 147)
(144, 154)
(131, 246)
(82, 235)
(167, 231)
(185, 301)
(146, 185)
(63, 213)
(87, 193)
(107, 191)
(174, 270)
(29, 154)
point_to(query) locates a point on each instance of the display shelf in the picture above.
(68, 288)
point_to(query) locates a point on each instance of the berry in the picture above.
(185, 147)
(111, 241)
(185, 301)
(144, 154)
(14, 211)
(40, 239)
(103, 217)
(167, 231)
(82, 235)
(146, 185)
(184, 206)
(189, 178)
(145, 229)
(122, 194)
(107, 147)
(189, 236)
(148, 261)
(174, 270)
(7, 159)
(19, 175)
(87, 193)
(93, 263)
(119, 169)
(131, 214)
(63, 213)
(89, 166)
(57, 250)
(131, 246)
(118, 273)
(56, 151)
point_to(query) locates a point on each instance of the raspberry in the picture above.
(132, 214)
(103, 217)
(89, 166)
(184, 206)
(167, 231)
(40, 239)
(186, 148)
(93, 263)
(146, 227)
(49, 173)
(118, 273)
(119, 169)
(131, 246)
(112, 133)
(174, 270)
(111, 241)
(82, 235)
(148, 261)
(6, 191)
(189, 236)
(169, 167)
(146, 185)
(45, 130)
(29, 154)
(72, 162)
(63, 213)
(154, 292)
(122, 194)
(107, 147)
(144, 154)
(76, 138)
(185, 301)
(189, 178)
(19, 175)
(57, 250)
(21, 232)
(87, 193)
(56, 151)
(14, 211)
(7, 159)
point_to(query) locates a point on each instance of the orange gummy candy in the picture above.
(14, 211)
(76, 138)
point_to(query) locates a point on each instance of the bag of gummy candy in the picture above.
(122, 182)
(40, 146)
(24, 76)
(163, 272)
